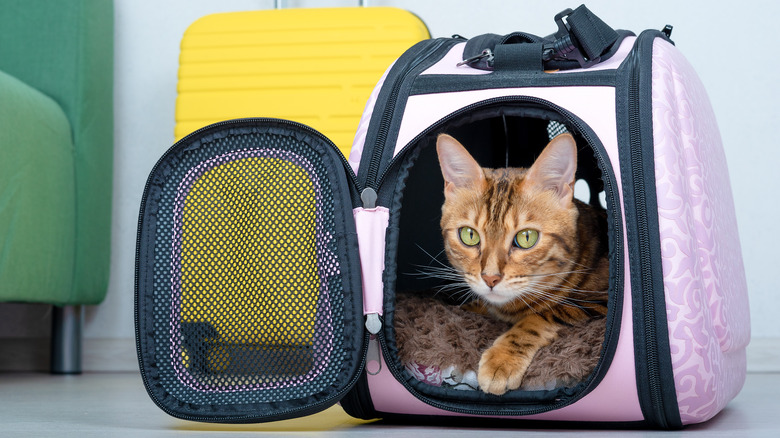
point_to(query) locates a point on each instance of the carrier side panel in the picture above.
(704, 277)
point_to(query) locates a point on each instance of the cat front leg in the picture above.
(503, 365)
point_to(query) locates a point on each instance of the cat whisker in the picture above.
(588, 268)
(434, 258)
(551, 274)
(468, 298)
(460, 288)
(536, 298)
(455, 290)
(460, 292)
(553, 286)
(561, 299)
(558, 301)
(559, 287)
(528, 305)
(439, 273)
(437, 268)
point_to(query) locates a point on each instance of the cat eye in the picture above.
(469, 236)
(527, 238)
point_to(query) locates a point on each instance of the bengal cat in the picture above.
(530, 253)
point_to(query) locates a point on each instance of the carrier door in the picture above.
(248, 293)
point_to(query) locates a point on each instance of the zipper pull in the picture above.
(368, 197)
(487, 53)
(374, 355)
(373, 323)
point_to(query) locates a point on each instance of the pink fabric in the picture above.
(371, 225)
(704, 278)
(425, 110)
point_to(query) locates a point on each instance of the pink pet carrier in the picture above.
(268, 265)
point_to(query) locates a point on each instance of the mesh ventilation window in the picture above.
(248, 303)
(555, 129)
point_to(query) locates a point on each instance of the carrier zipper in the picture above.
(648, 307)
(658, 404)
(389, 109)
(309, 409)
(615, 301)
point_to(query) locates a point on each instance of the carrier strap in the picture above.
(525, 57)
(595, 37)
(581, 41)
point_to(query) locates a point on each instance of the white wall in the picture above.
(730, 44)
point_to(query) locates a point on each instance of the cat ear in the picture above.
(555, 168)
(459, 169)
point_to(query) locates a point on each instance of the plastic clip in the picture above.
(486, 54)
(565, 46)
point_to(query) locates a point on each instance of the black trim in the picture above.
(392, 185)
(654, 371)
(357, 402)
(442, 83)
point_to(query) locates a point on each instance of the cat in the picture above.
(530, 253)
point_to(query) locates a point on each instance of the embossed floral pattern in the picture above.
(706, 291)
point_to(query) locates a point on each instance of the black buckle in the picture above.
(565, 47)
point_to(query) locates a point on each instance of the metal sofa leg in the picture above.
(66, 340)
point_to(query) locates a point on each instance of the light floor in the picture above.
(116, 405)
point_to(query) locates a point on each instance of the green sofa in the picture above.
(56, 158)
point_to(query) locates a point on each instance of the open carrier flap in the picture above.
(248, 294)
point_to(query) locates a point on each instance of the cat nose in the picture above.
(491, 280)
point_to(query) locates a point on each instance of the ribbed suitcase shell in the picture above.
(313, 66)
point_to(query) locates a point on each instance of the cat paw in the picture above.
(500, 371)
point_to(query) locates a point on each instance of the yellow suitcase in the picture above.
(313, 66)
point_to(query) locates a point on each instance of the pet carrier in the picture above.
(269, 266)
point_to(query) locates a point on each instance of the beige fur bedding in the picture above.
(441, 344)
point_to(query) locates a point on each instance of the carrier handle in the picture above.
(581, 37)
(279, 4)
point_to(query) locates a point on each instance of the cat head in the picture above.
(507, 229)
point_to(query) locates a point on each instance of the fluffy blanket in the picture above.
(441, 345)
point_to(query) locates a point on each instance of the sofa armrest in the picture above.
(36, 195)
(64, 49)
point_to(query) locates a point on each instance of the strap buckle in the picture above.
(565, 46)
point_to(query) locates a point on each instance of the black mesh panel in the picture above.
(248, 301)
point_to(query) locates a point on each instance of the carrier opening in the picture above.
(437, 326)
